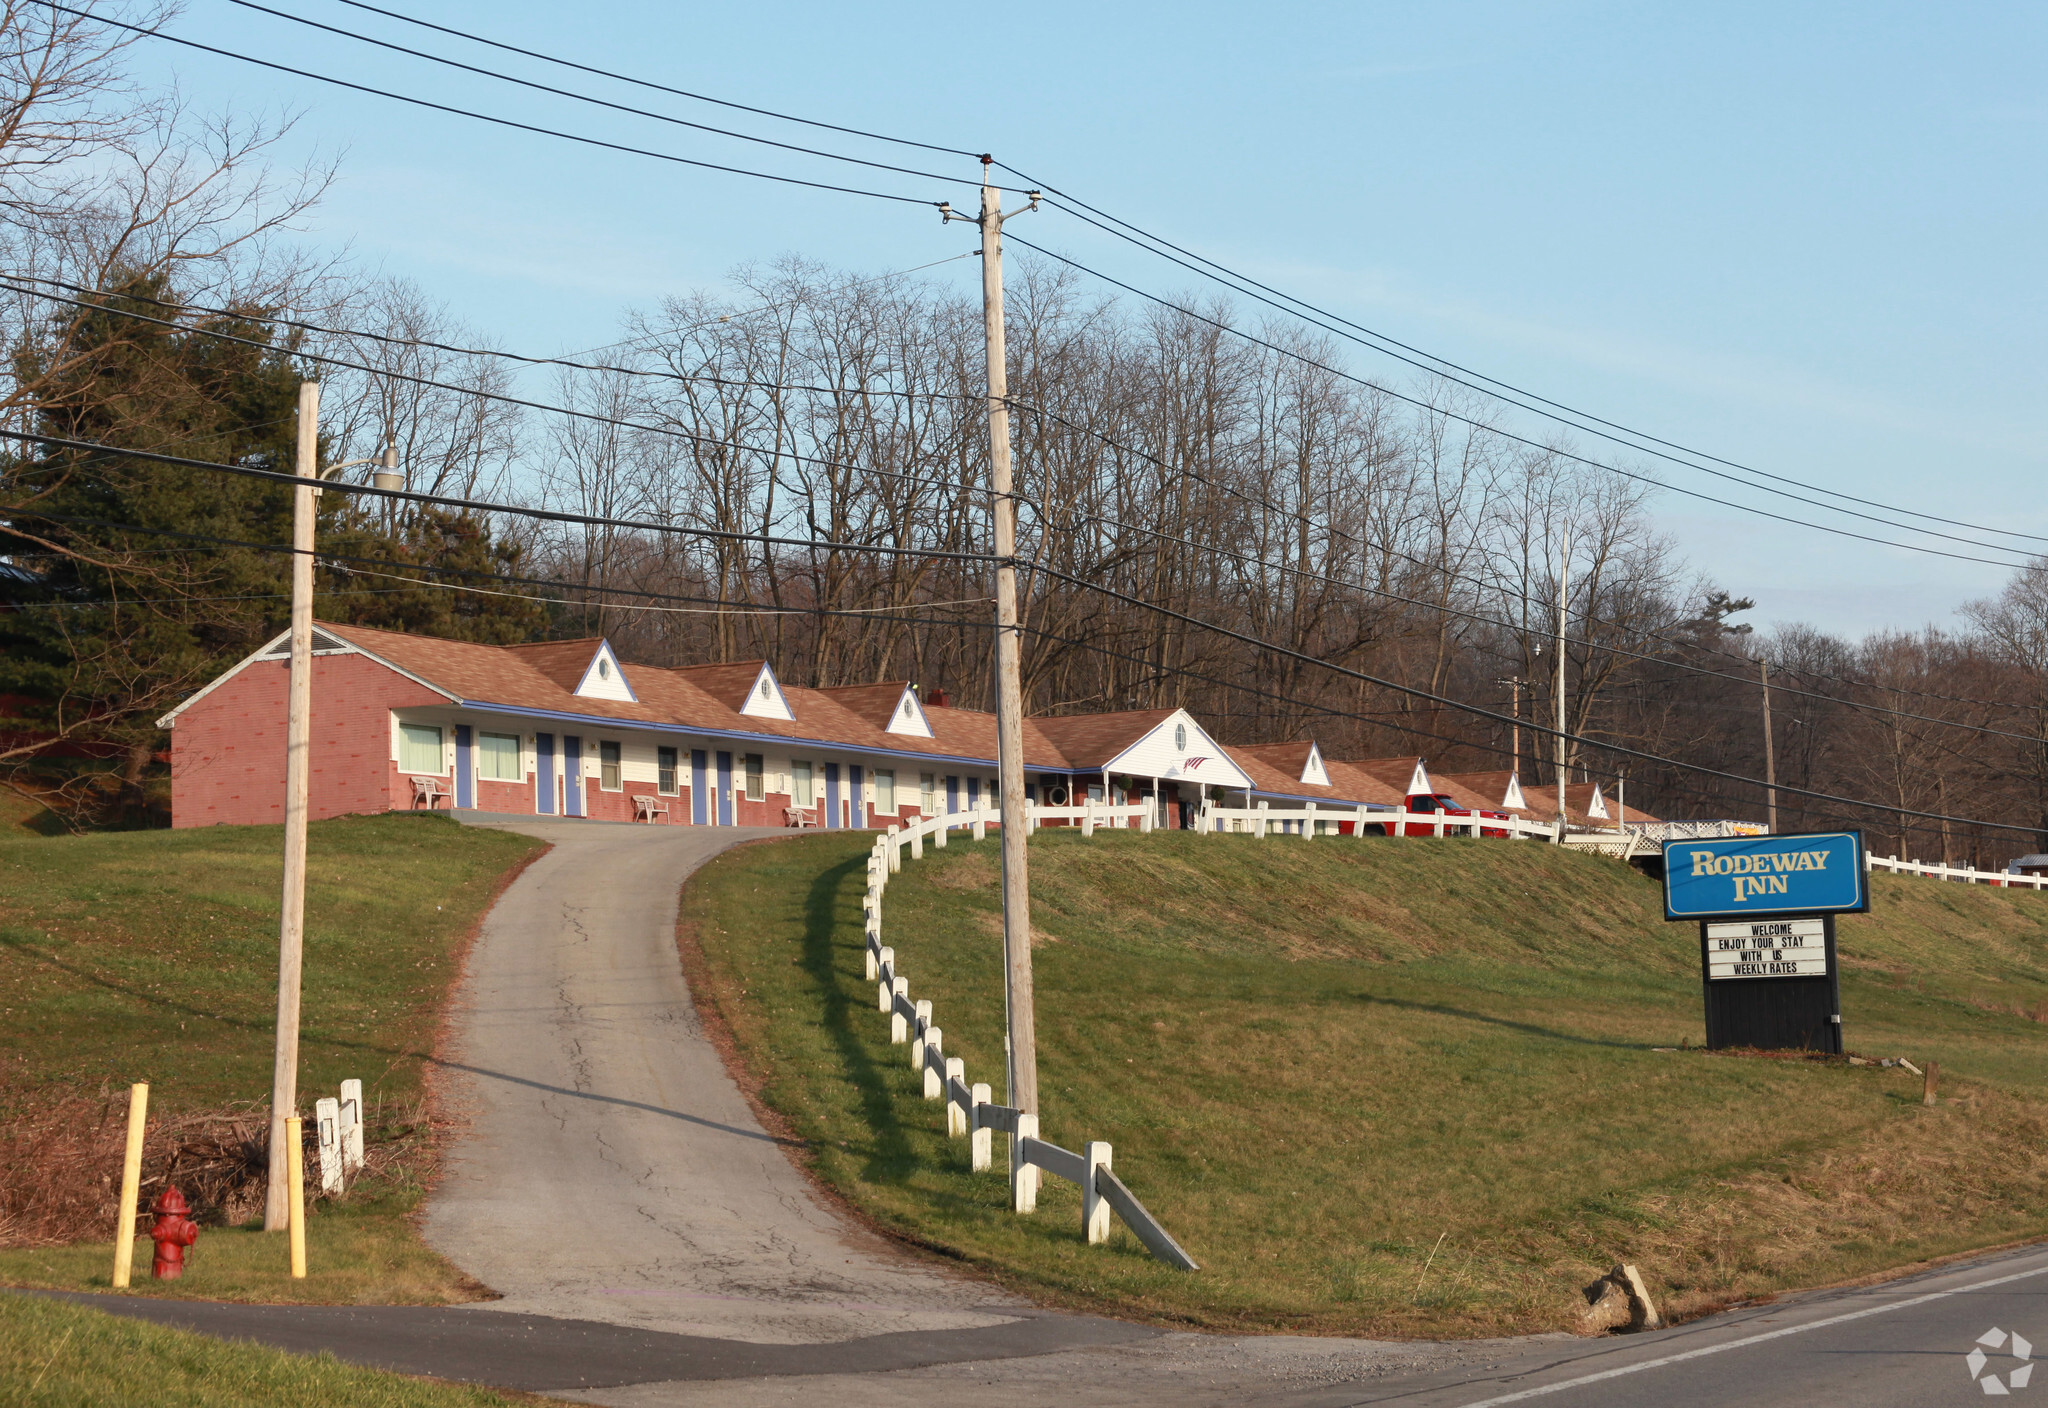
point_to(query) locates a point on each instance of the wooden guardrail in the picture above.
(969, 1110)
(1963, 873)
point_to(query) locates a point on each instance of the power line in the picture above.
(481, 506)
(326, 360)
(1495, 716)
(1434, 364)
(657, 87)
(484, 117)
(1512, 436)
(597, 102)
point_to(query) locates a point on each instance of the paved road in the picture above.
(656, 1247)
(609, 1170)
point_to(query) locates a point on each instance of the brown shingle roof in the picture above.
(563, 661)
(1276, 767)
(1083, 741)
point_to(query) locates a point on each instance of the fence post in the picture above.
(895, 849)
(1148, 818)
(1094, 1207)
(1023, 1176)
(939, 832)
(887, 963)
(956, 1113)
(351, 1127)
(873, 968)
(1088, 816)
(920, 1024)
(899, 1030)
(1208, 823)
(980, 1137)
(917, 841)
(327, 1124)
(1259, 827)
(980, 824)
(1308, 823)
(934, 1061)
(1358, 822)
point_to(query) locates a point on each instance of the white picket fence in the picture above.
(1937, 871)
(970, 1111)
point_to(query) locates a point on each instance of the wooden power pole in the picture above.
(291, 925)
(1564, 578)
(1021, 1036)
(1763, 670)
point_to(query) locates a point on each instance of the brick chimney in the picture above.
(935, 698)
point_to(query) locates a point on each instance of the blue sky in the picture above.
(1806, 238)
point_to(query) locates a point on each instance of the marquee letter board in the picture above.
(1766, 908)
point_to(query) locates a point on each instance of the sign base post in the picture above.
(1797, 1008)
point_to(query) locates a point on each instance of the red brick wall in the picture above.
(227, 750)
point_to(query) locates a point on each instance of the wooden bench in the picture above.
(428, 790)
(798, 817)
(647, 808)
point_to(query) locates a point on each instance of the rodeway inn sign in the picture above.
(1744, 875)
(1766, 908)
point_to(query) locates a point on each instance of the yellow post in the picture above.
(131, 1185)
(295, 1163)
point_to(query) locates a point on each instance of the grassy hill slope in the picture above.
(1391, 1087)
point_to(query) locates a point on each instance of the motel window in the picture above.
(757, 777)
(665, 771)
(608, 767)
(497, 757)
(801, 792)
(973, 793)
(419, 748)
(885, 790)
(927, 794)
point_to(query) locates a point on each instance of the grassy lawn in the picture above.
(152, 956)
(1391, 1087)
(58, 1355)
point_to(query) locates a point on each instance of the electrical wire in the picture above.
(1495, 716)
(594, 101)
(481, 506)
(1586, 422)
(1522, 439)
(657, 87)
(480, 116)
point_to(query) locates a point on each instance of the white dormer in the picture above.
(1514, 801)
(1598, 806)
(1313, 770)
(765, 699)
(909, 717)
(604, 679)
(1418, 781)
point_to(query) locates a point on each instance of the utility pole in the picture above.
(291, 926)
(1514, 684)
(1763, 670)
(1021, 1036)
(1564, 578)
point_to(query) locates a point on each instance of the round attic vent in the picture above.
(1180, 738)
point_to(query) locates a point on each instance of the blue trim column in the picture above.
(700, 787)
(725, 789)
(465, 784)
(854, 801)
(572, 775)
(544, 774)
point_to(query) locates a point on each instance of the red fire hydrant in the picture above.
(172, 1234)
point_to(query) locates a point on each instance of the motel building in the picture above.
(567, 729)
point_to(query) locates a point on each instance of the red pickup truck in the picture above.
(1456, 818)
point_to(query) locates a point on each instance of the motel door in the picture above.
(829, 814)
(572, 775)
(853, 797)
(700, 787)
(725, 789)
(544, 774)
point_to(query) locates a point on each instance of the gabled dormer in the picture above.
(1418, 781)
(1513, 799)
(1313, 771)
(605, 678)
(765, 699)
(908, 717)
(1598, 806)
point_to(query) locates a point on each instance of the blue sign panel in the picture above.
(1739, 876)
